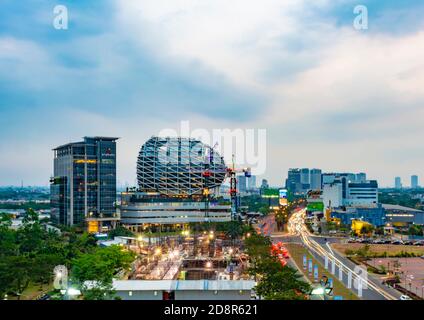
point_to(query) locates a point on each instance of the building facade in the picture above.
(398, 183)
(178, 180)
(316, 180)
(83, 186)
(414, 182)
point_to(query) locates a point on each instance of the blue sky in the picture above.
(329, 96)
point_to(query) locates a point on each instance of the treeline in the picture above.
(29, 255)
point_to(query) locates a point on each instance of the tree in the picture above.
(120, 231)
(94, 271)
(280, 283)
(15, 274)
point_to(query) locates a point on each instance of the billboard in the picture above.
(270, 193)
(283, 197)
(315, 206)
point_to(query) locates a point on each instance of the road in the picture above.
(372, 289)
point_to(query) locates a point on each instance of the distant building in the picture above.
(348, 189)
(414, 182)
(361, 193)
(376, 215)
(315, 178)
(294, 182)
(242, 183)
(83, 186)
(400, 216)
(264, 184)
(398, 183)
(251, 183)
(361, 177)
(332, 195)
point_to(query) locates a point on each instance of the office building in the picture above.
(361, 177)
(251, 183)
(361, 193)
(315, 178)
(293, 182)
(348, 189)
(83, 186)
(398, 183)
(264, 184)
(376, 215)
(242, 183)
(414, 182)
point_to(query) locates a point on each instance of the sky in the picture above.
(328, 95)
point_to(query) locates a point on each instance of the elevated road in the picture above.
(372, 289)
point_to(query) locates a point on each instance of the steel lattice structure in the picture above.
(179, 167)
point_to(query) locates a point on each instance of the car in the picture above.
(351, 240)
(387, 241)
(397, 242)
(409, 242)
(419, 243)
(405, 297)
(422, 257)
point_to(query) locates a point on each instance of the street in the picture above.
(372, 289)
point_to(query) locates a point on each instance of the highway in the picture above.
(372, 289)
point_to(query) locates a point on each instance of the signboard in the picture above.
(316, 273)
(310, 267)
(270, 193)
(315, 206)
(304, 262)
(283, 193)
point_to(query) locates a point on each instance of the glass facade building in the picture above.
(84, 181)
(179, 167)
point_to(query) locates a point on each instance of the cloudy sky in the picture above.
(329, 96)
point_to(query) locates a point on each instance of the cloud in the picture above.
(328, 95)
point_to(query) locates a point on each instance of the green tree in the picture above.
(120, 231)
(94, 271)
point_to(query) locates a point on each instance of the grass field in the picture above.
(379, 249)
(32, 292)
(297, 251)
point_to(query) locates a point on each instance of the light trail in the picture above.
(297, 227)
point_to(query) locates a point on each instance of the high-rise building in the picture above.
(414, 182)
(251, 183)
(83, 186)
(293, 182)
(304, 176)
(242, 183)
(398, 183)
(361, 177)
(316, 181)
(264, 184)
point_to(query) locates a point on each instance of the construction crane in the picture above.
(231, 172)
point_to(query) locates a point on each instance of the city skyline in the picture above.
(327, 98)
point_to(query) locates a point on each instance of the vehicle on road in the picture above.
(419, 243)
(409, 242)
(405, 297)
(397, 242)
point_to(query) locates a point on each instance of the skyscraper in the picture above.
(83, 186)
(316, 180)
(251, 183)
(398, 183)
(242, 183)
(414, 182)
(293, 182)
